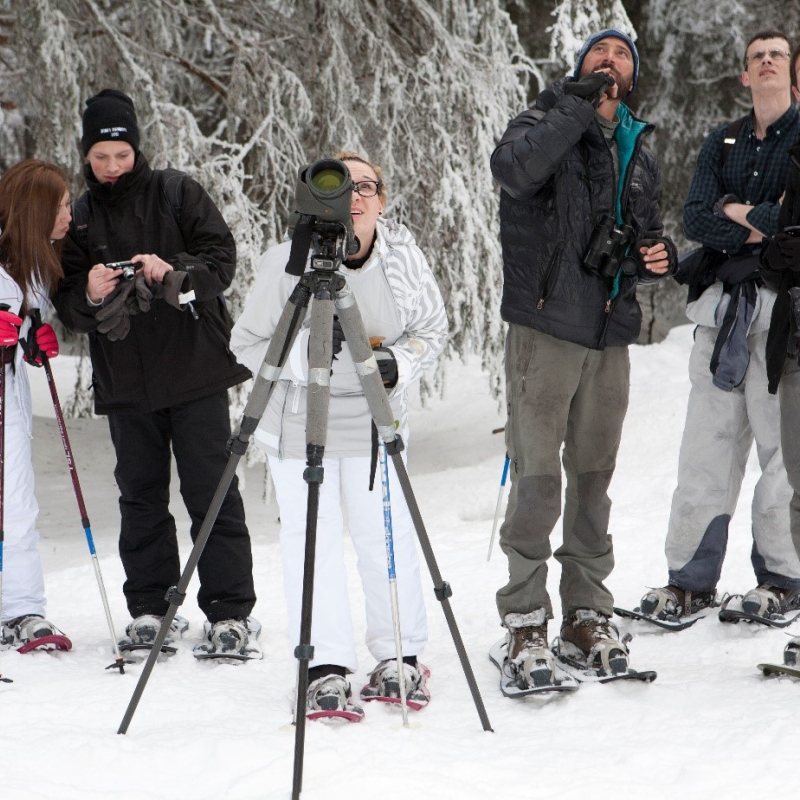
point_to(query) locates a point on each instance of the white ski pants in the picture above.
(23, 583)
(345, 499)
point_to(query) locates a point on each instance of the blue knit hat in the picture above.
(595, 38)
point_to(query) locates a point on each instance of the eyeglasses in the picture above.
(367, 188)
(774, 55)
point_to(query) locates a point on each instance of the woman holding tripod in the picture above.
(404, 317)
(34, 219)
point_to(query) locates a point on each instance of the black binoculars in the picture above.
(607, 249)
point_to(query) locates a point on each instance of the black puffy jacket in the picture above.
(556, 174)
(168, 357)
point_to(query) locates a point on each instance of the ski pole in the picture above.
(389, 538)
(3, 307)
(499, 504)
(119, 661)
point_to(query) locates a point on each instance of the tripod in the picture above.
(328, 289)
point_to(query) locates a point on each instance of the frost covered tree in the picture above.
(240, 95)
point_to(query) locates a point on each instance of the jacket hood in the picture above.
(393, 233)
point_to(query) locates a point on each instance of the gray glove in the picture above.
(143, 297)
(114, 316)
(173, 287)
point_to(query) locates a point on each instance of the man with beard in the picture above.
(580, 227)
(734, 202)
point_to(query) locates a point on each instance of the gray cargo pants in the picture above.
(560, 393)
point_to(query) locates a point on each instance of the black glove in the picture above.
(670, 252)
(387, 364)
(590, 87)
(338, 336)
(782, 252)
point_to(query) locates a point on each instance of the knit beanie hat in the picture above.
(595, 38)
(109, 117)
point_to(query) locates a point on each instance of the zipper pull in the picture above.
(540, 304)
(608, 306)
(296, 397)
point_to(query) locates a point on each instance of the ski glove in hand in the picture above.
(387, 364)
(172, 288)
(114, 316)
(41, 341)
(9, 328)
(590, 87)
(782, 252)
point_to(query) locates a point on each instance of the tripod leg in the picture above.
(369, 375)
(318, 399)
(277, 353)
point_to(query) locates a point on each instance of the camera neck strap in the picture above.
(301, 244)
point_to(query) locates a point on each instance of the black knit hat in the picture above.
(109, 117)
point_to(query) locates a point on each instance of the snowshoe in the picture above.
(791, 661)
(767, 605)
(524, 659)
(34, 632)
(384, 684)
(330, 697)
(141, 633)
(590, 649)
(230, 639)
(535, 673)
(669, 607)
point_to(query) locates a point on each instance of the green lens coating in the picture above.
(328, 180)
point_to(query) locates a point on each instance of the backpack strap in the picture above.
(80, 219)
(171, 182)
(731, 134)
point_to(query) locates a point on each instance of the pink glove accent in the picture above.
(9, 328)
(47, 341)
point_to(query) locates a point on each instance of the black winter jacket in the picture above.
(168, 357)
(556, 174)
(781, 325)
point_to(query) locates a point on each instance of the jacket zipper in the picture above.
(550, 276)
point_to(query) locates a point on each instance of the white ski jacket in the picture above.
(11, 295)
(399, 300)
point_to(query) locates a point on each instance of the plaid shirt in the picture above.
(755, 171)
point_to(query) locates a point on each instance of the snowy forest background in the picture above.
(241, 93)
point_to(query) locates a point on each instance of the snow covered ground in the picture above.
(709, 727)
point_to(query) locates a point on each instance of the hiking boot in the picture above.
(791, 653)
(27, 628)
(589, 636)
(230, 638)
(528, 653)
(143, 629)
(331, 696)
(670, 603)
(384, 684)
(770, 601)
